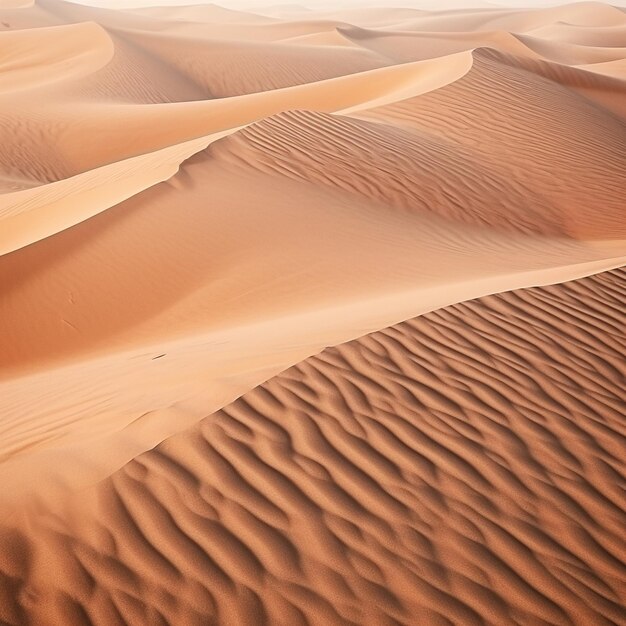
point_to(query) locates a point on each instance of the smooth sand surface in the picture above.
(196, 201)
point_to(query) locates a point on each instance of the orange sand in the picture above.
(196, 199)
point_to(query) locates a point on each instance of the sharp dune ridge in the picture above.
(130, 129)
(312, 316)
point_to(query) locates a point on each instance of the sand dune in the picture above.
(33, 214)
(101, 299)
(196, 202)
(415, 171)
(404, 46)
(602, 90)
(217, 22)
(131, 130)
(571, 131)
(32, 58)
(571, 54)
(407, 477)
(18, 15)
(615, 69)
(330, 37)
(239, 67)
(611, 35)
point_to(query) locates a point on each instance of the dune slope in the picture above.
(418, 170)
(460, 467)
(214, 225)
(232, 293)
(544, 137)
(31, 58)
(121, 130)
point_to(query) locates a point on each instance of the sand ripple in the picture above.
(462, 467)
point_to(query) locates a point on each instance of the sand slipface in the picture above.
(312, 316)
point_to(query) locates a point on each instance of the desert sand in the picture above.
(312, 316)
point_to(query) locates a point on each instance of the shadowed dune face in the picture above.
(461, 467)
(543, 140)
(196, 202)
(419, 170)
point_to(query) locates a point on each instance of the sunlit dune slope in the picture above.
(126, 130)
(461, 467)
(615, 69)
(404, 46)
(612, 35)
(196, 233)
(34, 57)
(225, 292)
(29, 215)
(571, 53)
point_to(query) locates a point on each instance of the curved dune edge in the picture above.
(571, 54)
(33, 214)
(332, 38)
(403, 46)
(225, 68)
(549, 138)
(423, 78)
(133, 129)
(602, 89)
(95, 421)
(462, 466)
(399, 85)
(583, 35)
(35, 58)
(422, 173)
(183, 121)
(614, 69)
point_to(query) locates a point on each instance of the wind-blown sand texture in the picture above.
(461, 467)
(196, 201)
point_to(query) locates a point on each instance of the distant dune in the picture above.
(312, 317)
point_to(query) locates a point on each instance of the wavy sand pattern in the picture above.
(461, 467)
(214, 224)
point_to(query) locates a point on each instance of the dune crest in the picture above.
(30, 215)
(130, 129)
(34, 58)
